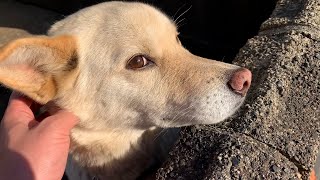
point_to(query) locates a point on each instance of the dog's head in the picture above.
(121, 65)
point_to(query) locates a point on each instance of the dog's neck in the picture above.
(114, 154)
(111, 144)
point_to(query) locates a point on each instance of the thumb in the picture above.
(62, 122)
(18, 112)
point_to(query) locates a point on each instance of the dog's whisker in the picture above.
(181, 114)
(162, 132)
(178, 23)
(191, 119)
(223, 58)
(183, 14)
(187, 111)
(179, 111)
(174, 16)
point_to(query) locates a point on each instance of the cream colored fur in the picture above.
(82, 67)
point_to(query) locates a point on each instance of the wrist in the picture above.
(14, 166)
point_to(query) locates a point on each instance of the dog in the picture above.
(120, 67)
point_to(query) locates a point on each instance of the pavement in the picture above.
(276, 133)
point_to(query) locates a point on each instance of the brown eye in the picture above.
(138, 62)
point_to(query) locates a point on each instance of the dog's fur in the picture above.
(82, 66)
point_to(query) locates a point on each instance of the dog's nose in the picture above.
(240, 81)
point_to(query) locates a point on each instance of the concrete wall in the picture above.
(276, 133)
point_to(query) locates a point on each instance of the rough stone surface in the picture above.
(276, 133)
(284, 110)
(217, 153)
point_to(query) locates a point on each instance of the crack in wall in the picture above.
(301, 168)
(302, 29)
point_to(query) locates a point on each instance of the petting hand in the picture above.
(30, 149)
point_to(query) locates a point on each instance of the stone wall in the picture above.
(276, 133)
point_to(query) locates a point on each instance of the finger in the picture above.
(18, 111)
(17, 95)
(62, 121)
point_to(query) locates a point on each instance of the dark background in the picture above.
(211, 28)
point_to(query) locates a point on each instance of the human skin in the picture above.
(33, 149)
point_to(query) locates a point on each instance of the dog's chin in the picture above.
(210, 109)
(230, 115)
(199, 118)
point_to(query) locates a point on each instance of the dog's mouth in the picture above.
(193, 113)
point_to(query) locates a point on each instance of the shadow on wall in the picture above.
(212, 29)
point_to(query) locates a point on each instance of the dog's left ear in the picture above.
(39, 67)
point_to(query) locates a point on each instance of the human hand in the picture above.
(30, 149)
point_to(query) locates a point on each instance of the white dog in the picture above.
(122, 70)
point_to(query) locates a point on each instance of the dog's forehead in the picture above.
(136, 27)
(114, 15)
(135, 19)
(119, 29)
(142, 14)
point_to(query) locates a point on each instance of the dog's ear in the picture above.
(39, 67)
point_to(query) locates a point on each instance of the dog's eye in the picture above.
(138, 62)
